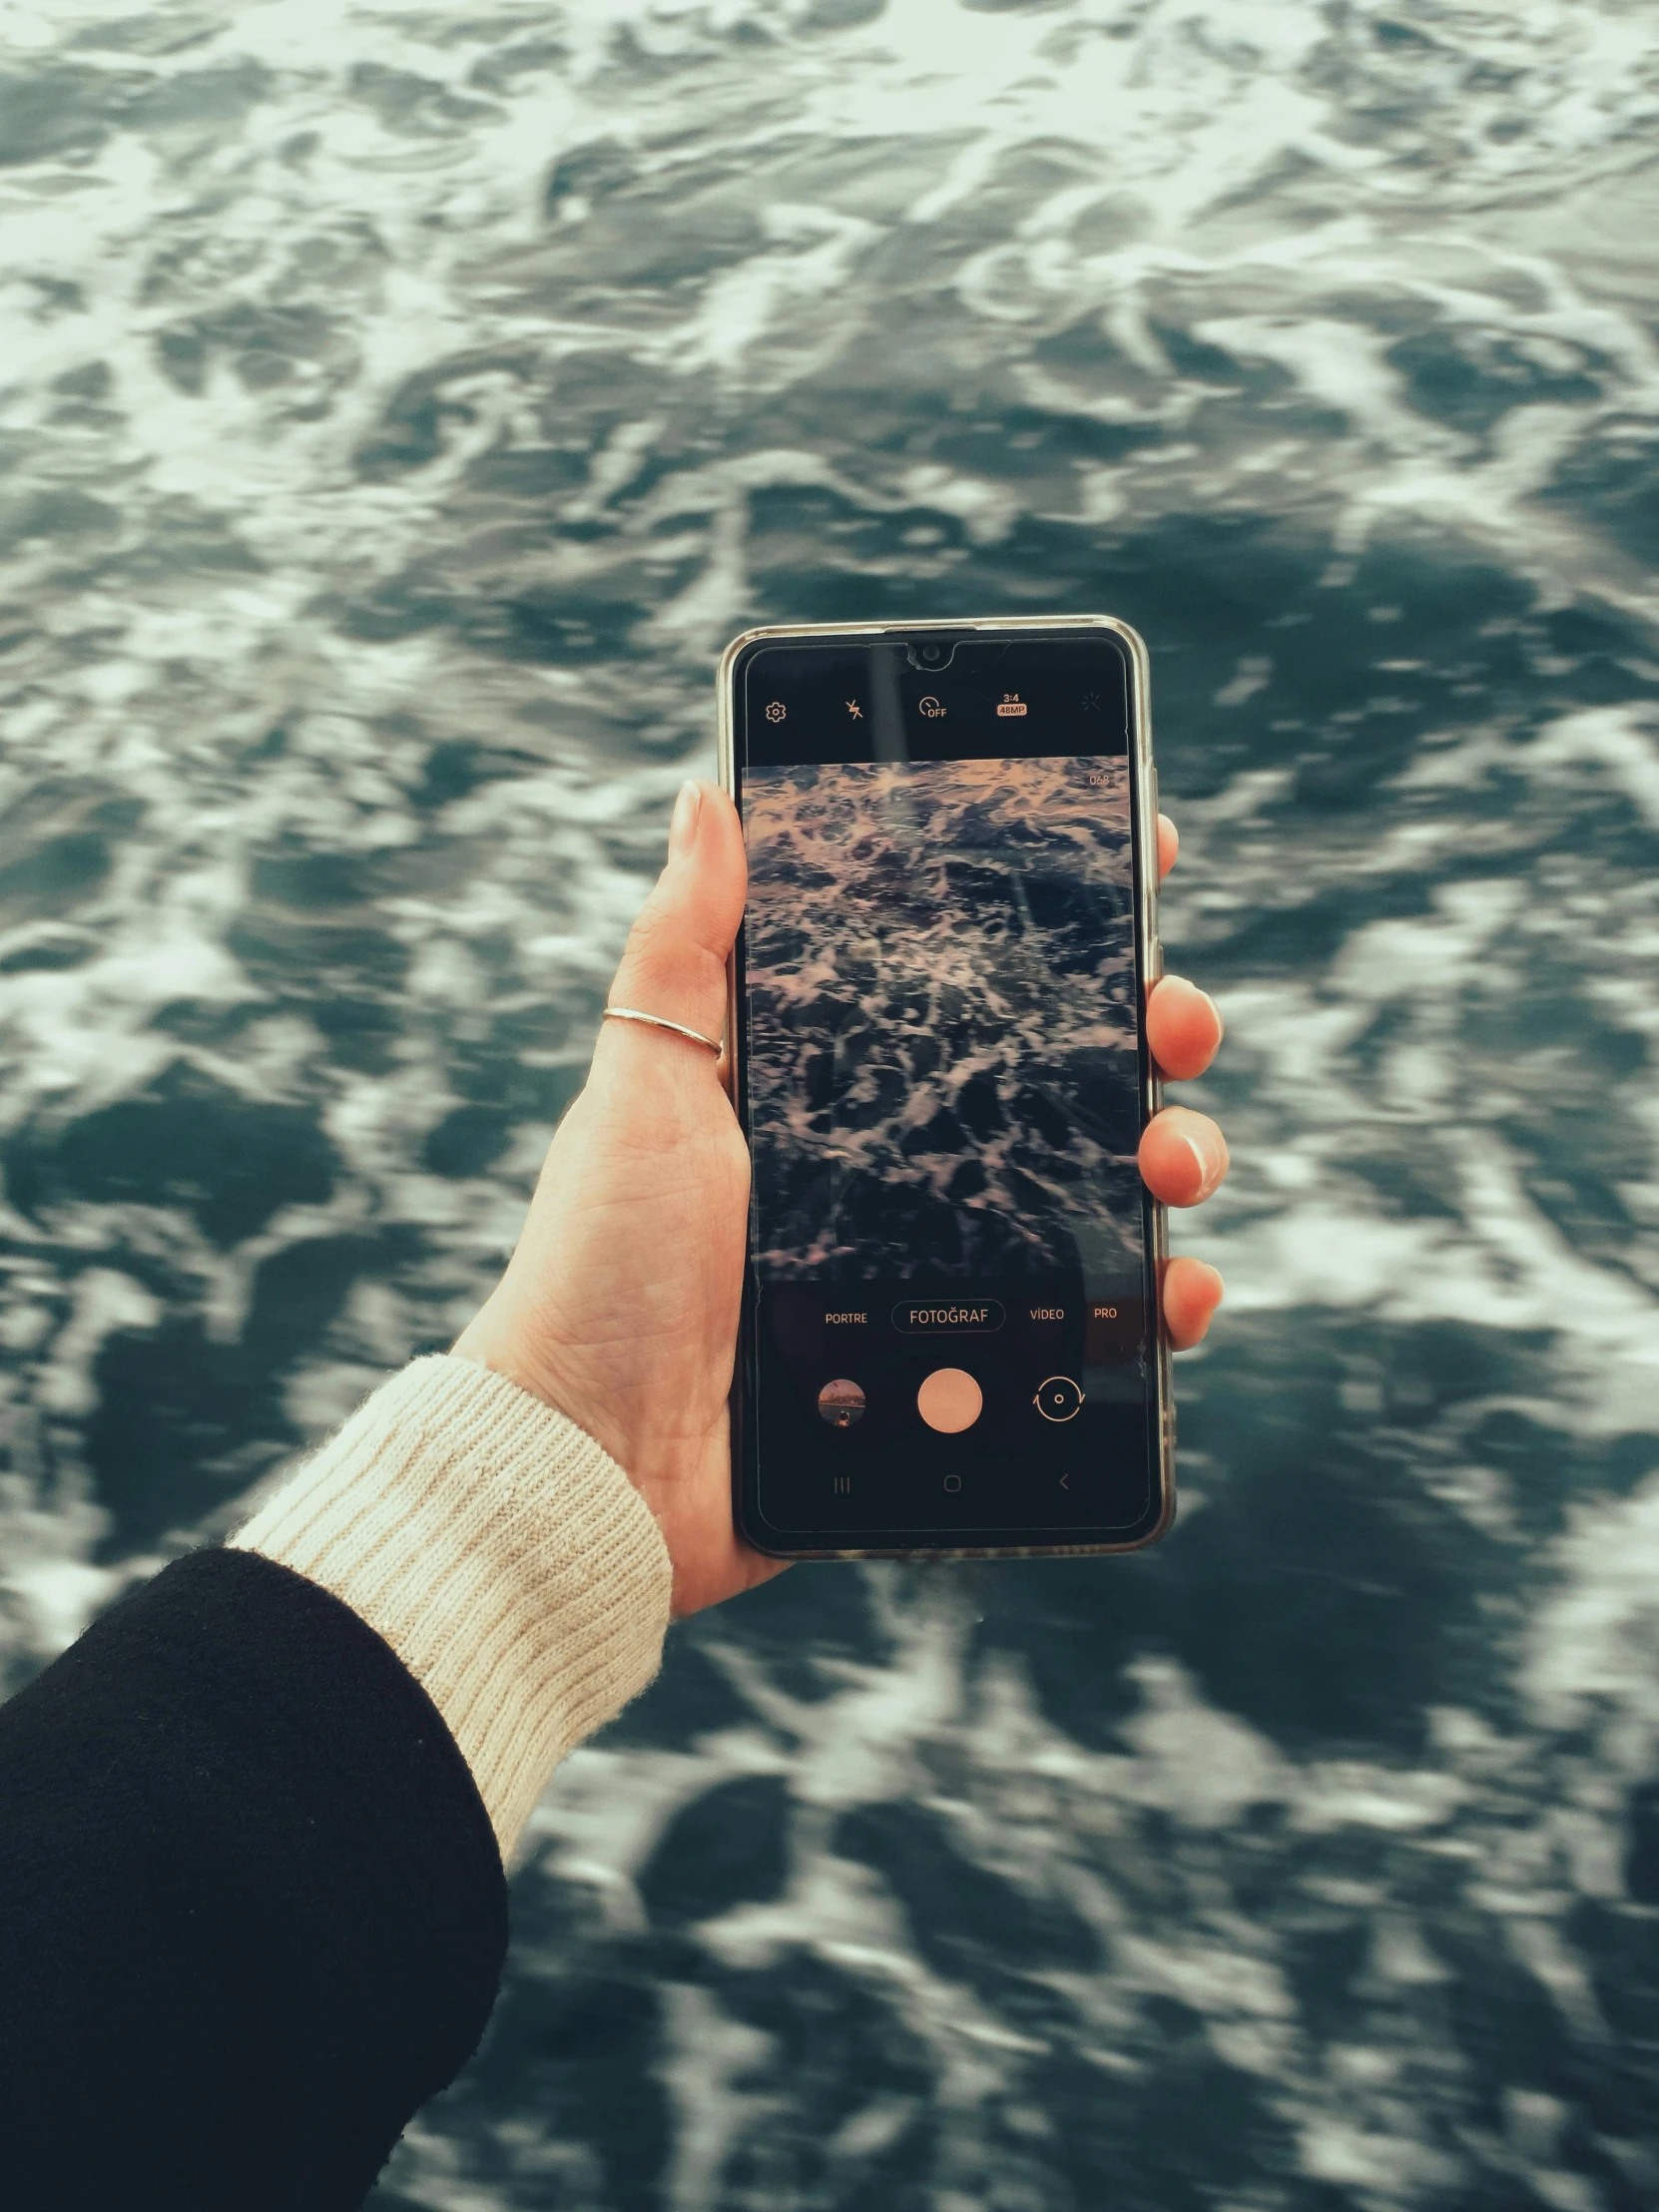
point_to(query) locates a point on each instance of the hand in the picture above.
(620, 1304)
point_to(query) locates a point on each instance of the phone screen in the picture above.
(948, 1333)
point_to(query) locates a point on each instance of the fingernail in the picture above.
(682, 831)
(1221, 1027)
(1216, 1278)
(1197, 1150)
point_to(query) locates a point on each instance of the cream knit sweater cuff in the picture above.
(500, 1553)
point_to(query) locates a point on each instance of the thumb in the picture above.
(674, 962)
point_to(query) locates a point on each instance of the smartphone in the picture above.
(951, 1341)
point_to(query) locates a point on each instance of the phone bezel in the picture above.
(1149, 967)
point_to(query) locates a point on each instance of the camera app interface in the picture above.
(948, 1234)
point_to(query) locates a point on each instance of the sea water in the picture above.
(402, 405)
(942, 1064)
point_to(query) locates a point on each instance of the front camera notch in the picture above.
(930, 653)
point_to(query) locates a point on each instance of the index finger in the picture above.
(1169, 844)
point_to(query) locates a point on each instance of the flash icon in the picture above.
(854, 710)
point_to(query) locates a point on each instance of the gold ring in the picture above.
(656, 1021)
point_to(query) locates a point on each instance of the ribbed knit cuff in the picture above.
(502, 1554)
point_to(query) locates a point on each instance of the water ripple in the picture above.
(398, 407)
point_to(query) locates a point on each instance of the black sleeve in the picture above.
(251, 1909)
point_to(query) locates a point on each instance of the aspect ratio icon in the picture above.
(1010, 703)
(930, 707)
(776, 709)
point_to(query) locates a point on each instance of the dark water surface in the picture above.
(401, 406)
(942, 1033)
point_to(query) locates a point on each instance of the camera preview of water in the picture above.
(942, 1026)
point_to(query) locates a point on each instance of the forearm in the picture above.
(253, 1909)
(500, 1553)
(252, 1824)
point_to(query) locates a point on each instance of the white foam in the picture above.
(1042, 210)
